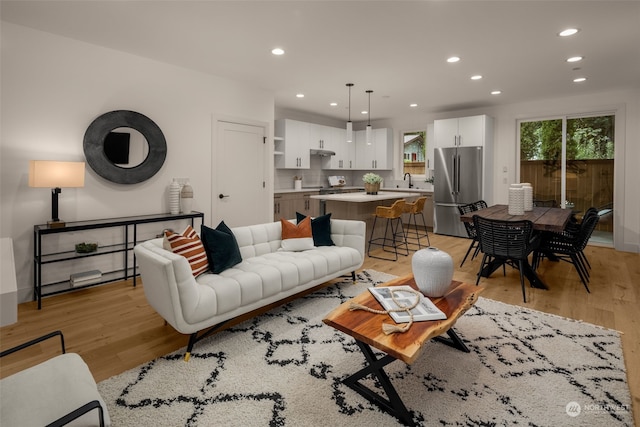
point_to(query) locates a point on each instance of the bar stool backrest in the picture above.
(393, 211)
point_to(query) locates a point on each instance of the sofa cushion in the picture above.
(188, 245)
(221, 247)
(320, 229)
(296, 237)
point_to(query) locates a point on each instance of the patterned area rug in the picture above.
(285, 368)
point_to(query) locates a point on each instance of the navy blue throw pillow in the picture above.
(320, 229)
(221, 247)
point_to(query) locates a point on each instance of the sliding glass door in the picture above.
(569, 162)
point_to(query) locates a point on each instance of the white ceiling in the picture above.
(398, 49)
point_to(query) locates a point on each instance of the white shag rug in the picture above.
(285, 368)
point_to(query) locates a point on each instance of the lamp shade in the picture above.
(54, 174)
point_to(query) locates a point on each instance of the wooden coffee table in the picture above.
(366, 329)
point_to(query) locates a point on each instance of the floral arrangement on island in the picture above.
(372, 182)
(371, 178)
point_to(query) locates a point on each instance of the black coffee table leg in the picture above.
(393, 404)
(453, 341)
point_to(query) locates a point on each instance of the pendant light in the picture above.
(349, 124)
(369, 132)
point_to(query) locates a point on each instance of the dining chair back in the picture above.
(569, 247)
(470, 228)
(507, 241)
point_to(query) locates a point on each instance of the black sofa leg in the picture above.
(192, 341)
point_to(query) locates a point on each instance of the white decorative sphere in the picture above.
(432, 271)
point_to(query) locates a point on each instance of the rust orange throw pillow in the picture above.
(296, 237)
(188, 245)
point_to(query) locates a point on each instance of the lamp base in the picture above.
(56, 224)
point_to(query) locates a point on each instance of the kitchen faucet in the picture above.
(405, 178)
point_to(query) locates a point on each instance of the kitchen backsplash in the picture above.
(316, 176)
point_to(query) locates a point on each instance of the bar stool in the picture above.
(415, 210)
(394, 236)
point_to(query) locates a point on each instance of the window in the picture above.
(414, 152)
(570, 161)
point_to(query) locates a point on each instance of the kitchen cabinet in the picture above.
(293, 144)
(285, 205)
(378, 154)
(470, 131)
(345, 158)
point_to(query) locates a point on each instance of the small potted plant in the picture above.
(371, 183)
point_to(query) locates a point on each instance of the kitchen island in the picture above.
(361, 206)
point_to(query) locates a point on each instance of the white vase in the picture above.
(432, 271)
(186, 198)
(528, 196)
(174, 198)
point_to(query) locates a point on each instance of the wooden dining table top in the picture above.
(543, 218)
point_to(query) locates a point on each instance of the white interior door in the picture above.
(240, 197)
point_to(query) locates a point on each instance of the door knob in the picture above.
(222, 196)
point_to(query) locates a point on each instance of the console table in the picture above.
(129, 225)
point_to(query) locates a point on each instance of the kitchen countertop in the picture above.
(314, 189)
(363, 197)
(389, 189)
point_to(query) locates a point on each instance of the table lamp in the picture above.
(55, 175)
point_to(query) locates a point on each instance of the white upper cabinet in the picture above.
(295, 139)
(470, 131)
(345, 151)
(376, 155)
(294, 145)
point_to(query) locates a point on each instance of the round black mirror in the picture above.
(114, 155)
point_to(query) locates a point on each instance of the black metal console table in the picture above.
(127, 223)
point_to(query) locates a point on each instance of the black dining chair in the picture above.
(508, 242)
(569, 247)
(471, 231)
(470, 228)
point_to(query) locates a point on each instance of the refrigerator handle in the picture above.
(455, 174)
(458, 174)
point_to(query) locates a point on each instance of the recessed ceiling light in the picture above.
(300, 95)
(579, 79)
(476, 77)
(277, 51)
(574, 59)
(334, 104)
(496, 92)
(413, 105)
(364, 112)
(453, 59)
(568, 32)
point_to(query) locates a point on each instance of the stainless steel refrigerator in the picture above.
(457, 181)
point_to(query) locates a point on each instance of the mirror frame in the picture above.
(98, 130)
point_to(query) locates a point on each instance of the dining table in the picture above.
(542, 218)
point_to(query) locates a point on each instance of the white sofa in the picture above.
(266, 275)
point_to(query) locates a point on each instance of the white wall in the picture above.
(54, 87)
(626, 105)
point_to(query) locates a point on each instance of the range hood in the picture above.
(321, 153)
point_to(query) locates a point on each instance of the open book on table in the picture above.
(406, 297)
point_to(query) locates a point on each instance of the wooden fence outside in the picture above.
(589, 183)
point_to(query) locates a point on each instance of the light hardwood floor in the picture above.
(113, 328)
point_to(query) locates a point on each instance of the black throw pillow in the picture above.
(221, 247)
(320, 229)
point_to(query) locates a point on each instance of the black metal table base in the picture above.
(528, 272)
(392, 403)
